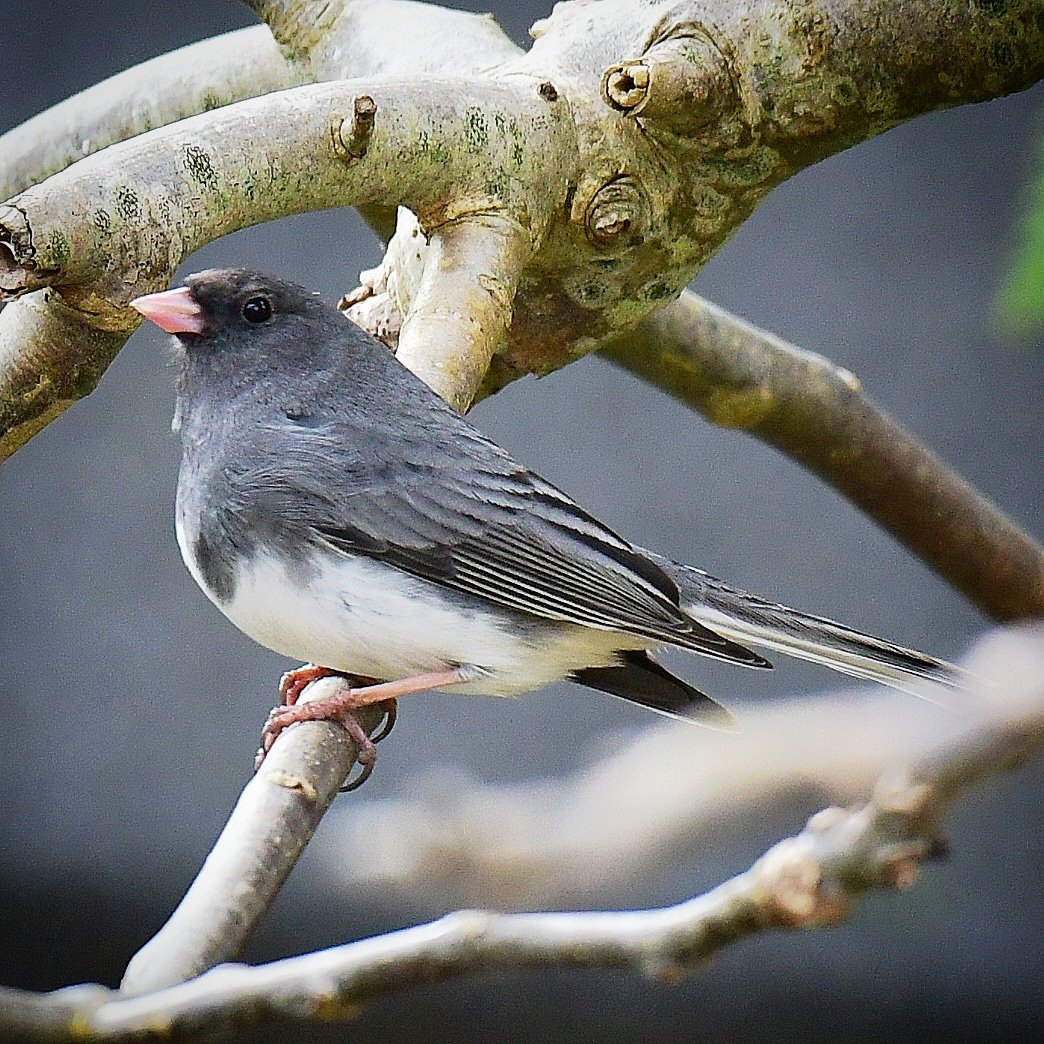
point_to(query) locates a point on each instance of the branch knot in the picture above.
(680, 84)
(351, 138)
(618, 214)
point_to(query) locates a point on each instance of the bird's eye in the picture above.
(257, 310)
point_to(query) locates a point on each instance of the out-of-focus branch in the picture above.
(806, 881)
(192, 79)
(740, 377)
(655, 796)
(274, 819)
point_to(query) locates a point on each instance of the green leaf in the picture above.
(1019, 304)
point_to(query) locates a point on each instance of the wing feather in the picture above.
(526, 546)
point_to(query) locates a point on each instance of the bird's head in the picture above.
(240, 312)
(238, 330)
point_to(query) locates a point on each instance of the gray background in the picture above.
(132, 707)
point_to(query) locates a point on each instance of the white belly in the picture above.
(366, 618)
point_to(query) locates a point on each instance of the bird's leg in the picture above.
(341, 706)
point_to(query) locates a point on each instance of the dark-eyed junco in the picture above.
(338, 511)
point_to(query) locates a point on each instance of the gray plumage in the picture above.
(307, 443)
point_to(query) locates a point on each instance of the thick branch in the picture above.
(806, 78)
(706, 107)
(119, 222)
(765, 87)
(810, 880)
(192, 79)
(463, 304)
(50, 356)
(740, 377)
(881, 62)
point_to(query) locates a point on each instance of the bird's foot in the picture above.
(293, 683)
(342, 706)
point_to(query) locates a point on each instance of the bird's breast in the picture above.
(206, 554)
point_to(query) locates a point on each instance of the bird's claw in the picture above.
(294, 682)
(331, 709)
(391, 715)
(366, 752)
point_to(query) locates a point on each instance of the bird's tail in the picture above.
(748, 619)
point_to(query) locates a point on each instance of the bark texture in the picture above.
(628, 143)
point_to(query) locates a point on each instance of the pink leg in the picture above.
(341, 707)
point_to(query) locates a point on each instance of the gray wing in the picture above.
(464, 515)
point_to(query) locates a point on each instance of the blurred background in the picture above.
(132, 708)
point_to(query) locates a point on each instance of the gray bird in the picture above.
(337, 511)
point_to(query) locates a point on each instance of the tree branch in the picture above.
(807, 881)
(812, 79)
(652, 799)
(356, 38)
(189, 80)
(50, 356)
(740, 377)
(881, 62)
(463, 304)
(655, 797)
(275, 817)
(119, 222)
(625, 199)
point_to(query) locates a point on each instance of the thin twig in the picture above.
(740, 377)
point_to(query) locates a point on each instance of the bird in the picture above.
(340, 513)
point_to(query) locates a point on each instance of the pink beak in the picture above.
(175, 311)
